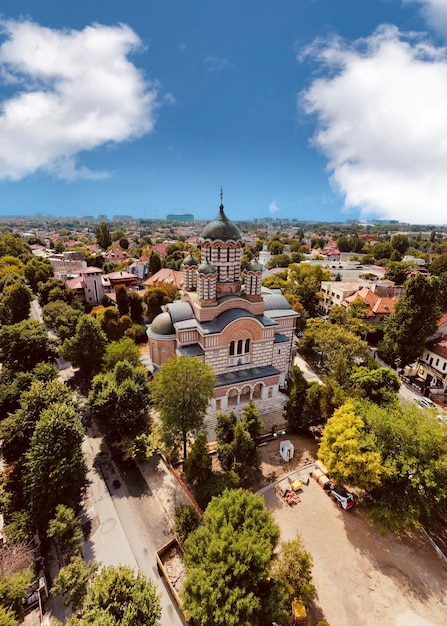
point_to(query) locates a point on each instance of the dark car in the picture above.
(342, 496)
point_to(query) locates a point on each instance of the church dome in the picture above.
(254, 266)
(190, 260)
(221, 228)
(206, 268)
(162, 324)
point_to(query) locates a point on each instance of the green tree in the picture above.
(124, 243)
(61, 317)
(413, 320)
(17, 428)
(154, 263)
(123, 350)
(293, 569)
(439, 264)
(227, 562)
(349, 453)
(103, 236)
(25, 344)
(304, 281)
(13, 590)
(187, 520)
(124, 596)
(413, 448)
(155, 298)
(7, 617)
(122, 299)
(120, 397)
(332, 343)
(198, 465)
(73, 580)
(87, 347)
(135, 307)
(56, 289)
(382, 250)
(294, 408)
(400, 242)
(15, 302)
(182, 413)
(55, 463)
(65, 530)
(38, 271)
(397, 271)
(380, 385)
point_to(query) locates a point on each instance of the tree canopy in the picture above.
(413, 320)
(25, 344)
(227, 562)
(87, 347)
(181, 392)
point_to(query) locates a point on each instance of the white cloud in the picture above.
(382, 123)
(273, 207)
(434, 12)
(73, 91)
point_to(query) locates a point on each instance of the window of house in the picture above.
(437, 362)
(444, 366)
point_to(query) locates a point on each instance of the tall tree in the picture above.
(122, 299)
(182, 413)
(227, 562)
(15, 302)
(38, 271)
(103, 236)
(122, 597)
(123, 350)
(25, 344)
(87, 347)
(65, 529)
(55, 463)
(294, 407)
(293, 569)
(121, 398)
(304, 281)
(349, 454)
(413, 320)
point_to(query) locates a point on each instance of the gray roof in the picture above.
(221, 228)
(275, 301)
(280, 338)
(192, 350)
(221, 321)
(162, 325)
(240, 376)
(180, 311)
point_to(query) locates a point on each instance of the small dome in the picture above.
(190, 260)
(254, 266)
(221, 228)
(206, 268)
(162, 325)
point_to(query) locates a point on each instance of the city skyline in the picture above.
(315, 110)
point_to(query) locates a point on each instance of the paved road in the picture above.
(127, 523)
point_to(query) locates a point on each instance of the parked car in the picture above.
(426, 403)
(342, 496)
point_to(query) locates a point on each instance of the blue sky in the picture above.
(306, 109)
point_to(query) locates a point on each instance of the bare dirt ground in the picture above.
(362, 578)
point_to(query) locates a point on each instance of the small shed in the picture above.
(286, 450)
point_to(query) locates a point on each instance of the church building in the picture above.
(243, 333)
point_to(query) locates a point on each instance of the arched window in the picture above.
(232, 348)
(218, 254)
(247, 346)
(228, 254)
(239, 346)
